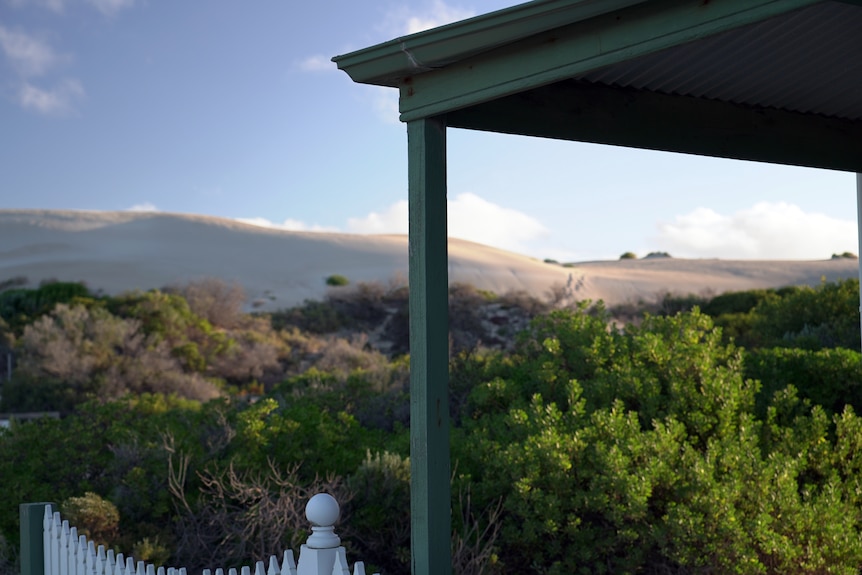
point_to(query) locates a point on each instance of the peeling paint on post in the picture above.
(429, 349)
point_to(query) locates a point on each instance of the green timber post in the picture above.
(32, 521)
(859, 236)
(429, 349)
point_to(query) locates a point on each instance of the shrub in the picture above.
(628, 256)
(94, 516)
(337, 280)
(214, 300)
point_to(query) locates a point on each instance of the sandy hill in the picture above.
(121, 251)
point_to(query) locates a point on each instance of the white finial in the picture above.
(322, 511)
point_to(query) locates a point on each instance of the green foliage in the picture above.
(809, 318)
(337, 280)
(94, 516)
(640, 452)
(845, 255)
(737, 302)
(19, 307)
(628, 256)
(381, 493)
(831, 378)
(312, 316)
(660, 448)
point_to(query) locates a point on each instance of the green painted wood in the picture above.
(565, 52)
(429, 349)
(32, 516)
(590, 113)
(859, 236)
(386, 64)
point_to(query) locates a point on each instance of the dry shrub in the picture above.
(215, 300)
(92, 351)
(240, 516)
(252, 358)
(473, 545)
(343, 356)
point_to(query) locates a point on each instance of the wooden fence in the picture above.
(49, 546)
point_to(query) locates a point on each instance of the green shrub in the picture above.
(337, 280)
(628, 256)
(831, 378)
(94, 516)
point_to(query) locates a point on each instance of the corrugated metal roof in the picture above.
(807, 61)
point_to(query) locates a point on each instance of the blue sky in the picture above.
(233, 109)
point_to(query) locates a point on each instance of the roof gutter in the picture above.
(389, 63)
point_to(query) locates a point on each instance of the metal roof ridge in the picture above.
(387, 63)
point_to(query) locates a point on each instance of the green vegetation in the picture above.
(337, 280)
(712, 435)
(629, 256)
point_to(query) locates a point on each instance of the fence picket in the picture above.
(288, 564)
(65, 552)
(340, 567)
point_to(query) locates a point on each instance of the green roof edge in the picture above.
(388, 63)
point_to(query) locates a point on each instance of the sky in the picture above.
(233, 108)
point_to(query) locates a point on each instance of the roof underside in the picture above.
(807, 61)
(767, 80)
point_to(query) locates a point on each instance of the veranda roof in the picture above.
(768, 80)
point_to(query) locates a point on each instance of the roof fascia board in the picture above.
(579, 48)
(584, 112)
(386, 64)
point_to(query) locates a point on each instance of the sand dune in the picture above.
(122, 251)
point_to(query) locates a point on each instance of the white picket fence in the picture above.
(68, 553)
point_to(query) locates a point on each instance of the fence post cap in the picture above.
(322, 510)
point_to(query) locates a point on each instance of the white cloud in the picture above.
(27, 54)
(394, 220)
(469, 217)
(59, 100)
(288, 224)
(475, 219)
(317, 63)
(144, 207)
(111, 7)
(763, 231)
(403, 20)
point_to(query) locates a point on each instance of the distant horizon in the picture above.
(652, 254)
(126, 104)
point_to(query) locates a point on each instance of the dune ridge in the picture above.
(123, 251)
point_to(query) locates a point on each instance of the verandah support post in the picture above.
(429, 349)
(32, 521)
(859, 235)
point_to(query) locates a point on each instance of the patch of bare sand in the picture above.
(123, 251)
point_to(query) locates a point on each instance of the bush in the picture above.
(831, 378)
(628, 256)
(94, 516)
(337, 280)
